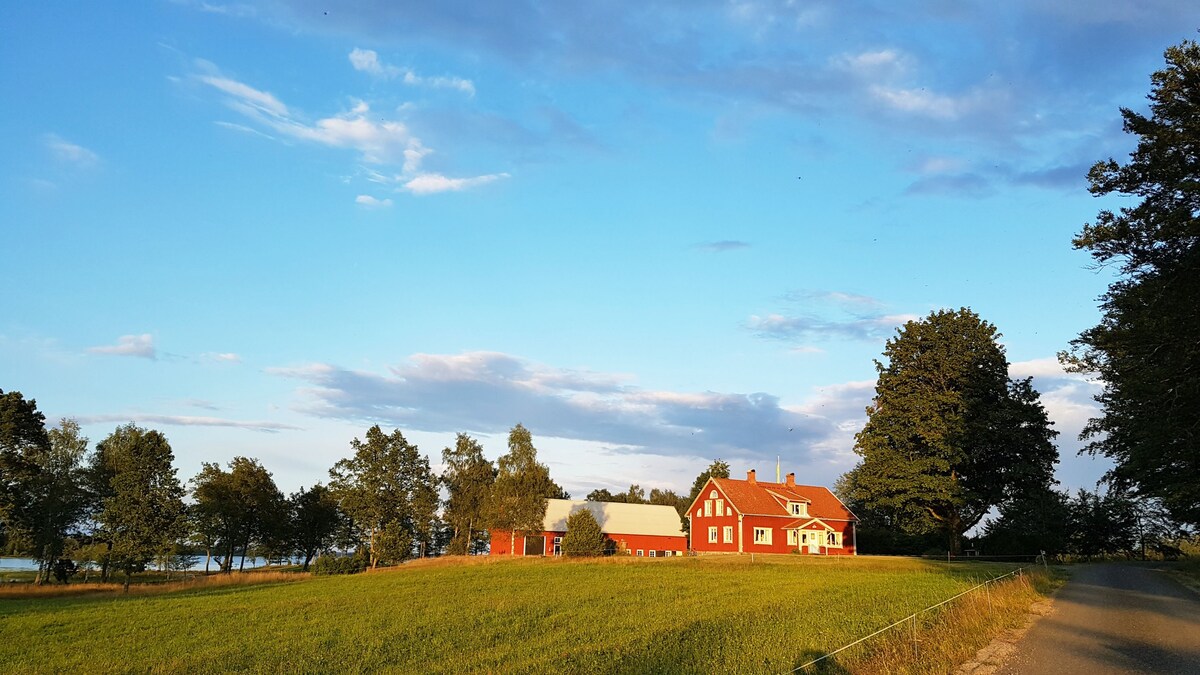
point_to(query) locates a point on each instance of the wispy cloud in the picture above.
(367, 61)
(222, 357)
(140, 346)
(722, 246)
(71, 153)
(187, 421)
(370, 202)
(430, 183)
(378, 141)
(828, 315)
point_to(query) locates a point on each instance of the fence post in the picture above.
(916, 655)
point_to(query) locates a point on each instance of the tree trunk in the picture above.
(307, 559)
(107, 557)
(512, 542)
(207, 558)
(128, 574)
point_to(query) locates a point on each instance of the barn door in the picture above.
(535, 545)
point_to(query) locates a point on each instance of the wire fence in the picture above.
(912, 618)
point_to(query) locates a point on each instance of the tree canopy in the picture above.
(1145, 348)
(518, 497)
(143, 513)
(385, 489)
(948, 435)
(41, 480)
(583, 537)
(468, 477)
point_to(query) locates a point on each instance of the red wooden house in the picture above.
(648, 530)
(752, 516)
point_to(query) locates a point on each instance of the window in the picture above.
(678, 553)
(729, 510)
(652, 553)
(728, 534)
(793, 538)
(712, 534)
(833, 539)
(698, 513)
(762, 535)
(720, 507)
(707, 507)
(798, 508)
(712, 494)
(640, 552)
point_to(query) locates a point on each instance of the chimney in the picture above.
(791, 480)
(750, 477)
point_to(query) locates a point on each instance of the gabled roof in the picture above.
(770, 499)
(616, 518)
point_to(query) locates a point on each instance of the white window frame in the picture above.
(793, 538)
(712, 534)
(728, 510)
(652, 553)
(640, 552)
(720, 510)
(712, 494)
(762, 536)
(727, 535)
(798, 509)
(836, 538)
(707, 508)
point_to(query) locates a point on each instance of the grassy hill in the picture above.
(713, 614)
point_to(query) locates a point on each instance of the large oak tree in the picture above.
(948, 435)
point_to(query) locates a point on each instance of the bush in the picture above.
(64, 569)
(583, 537)
(339, 564)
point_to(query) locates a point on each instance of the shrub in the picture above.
(64, 569)
(583, 537)
(339, 564)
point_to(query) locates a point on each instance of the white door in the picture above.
(814, 543)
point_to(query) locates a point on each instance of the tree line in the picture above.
(121, 506)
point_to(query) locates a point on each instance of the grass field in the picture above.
(714, 614)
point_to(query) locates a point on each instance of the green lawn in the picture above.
(715, 614)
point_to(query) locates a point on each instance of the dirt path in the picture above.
(1114, 619)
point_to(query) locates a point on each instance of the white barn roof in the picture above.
(616, 518)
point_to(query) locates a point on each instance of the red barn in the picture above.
(752, 516)
(649, 530)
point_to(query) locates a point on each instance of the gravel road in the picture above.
(1114, 619)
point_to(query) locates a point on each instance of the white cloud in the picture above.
(71, 153)
(379, 141)
(430, 183)
(371, 202)
(186, 420)
(367, 61)
(223, 357)
(141, 346)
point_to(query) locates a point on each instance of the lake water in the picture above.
(28, 565)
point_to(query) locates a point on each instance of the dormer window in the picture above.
(798, 509)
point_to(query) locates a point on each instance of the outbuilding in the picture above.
(648, 530)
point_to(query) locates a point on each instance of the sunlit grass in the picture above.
(710, 614)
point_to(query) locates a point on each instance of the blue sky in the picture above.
(653, 233)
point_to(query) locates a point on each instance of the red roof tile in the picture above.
(770, 499)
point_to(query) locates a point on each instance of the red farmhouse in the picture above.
(752, 516)
(648, 530)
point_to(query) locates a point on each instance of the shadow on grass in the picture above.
(829, 666)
